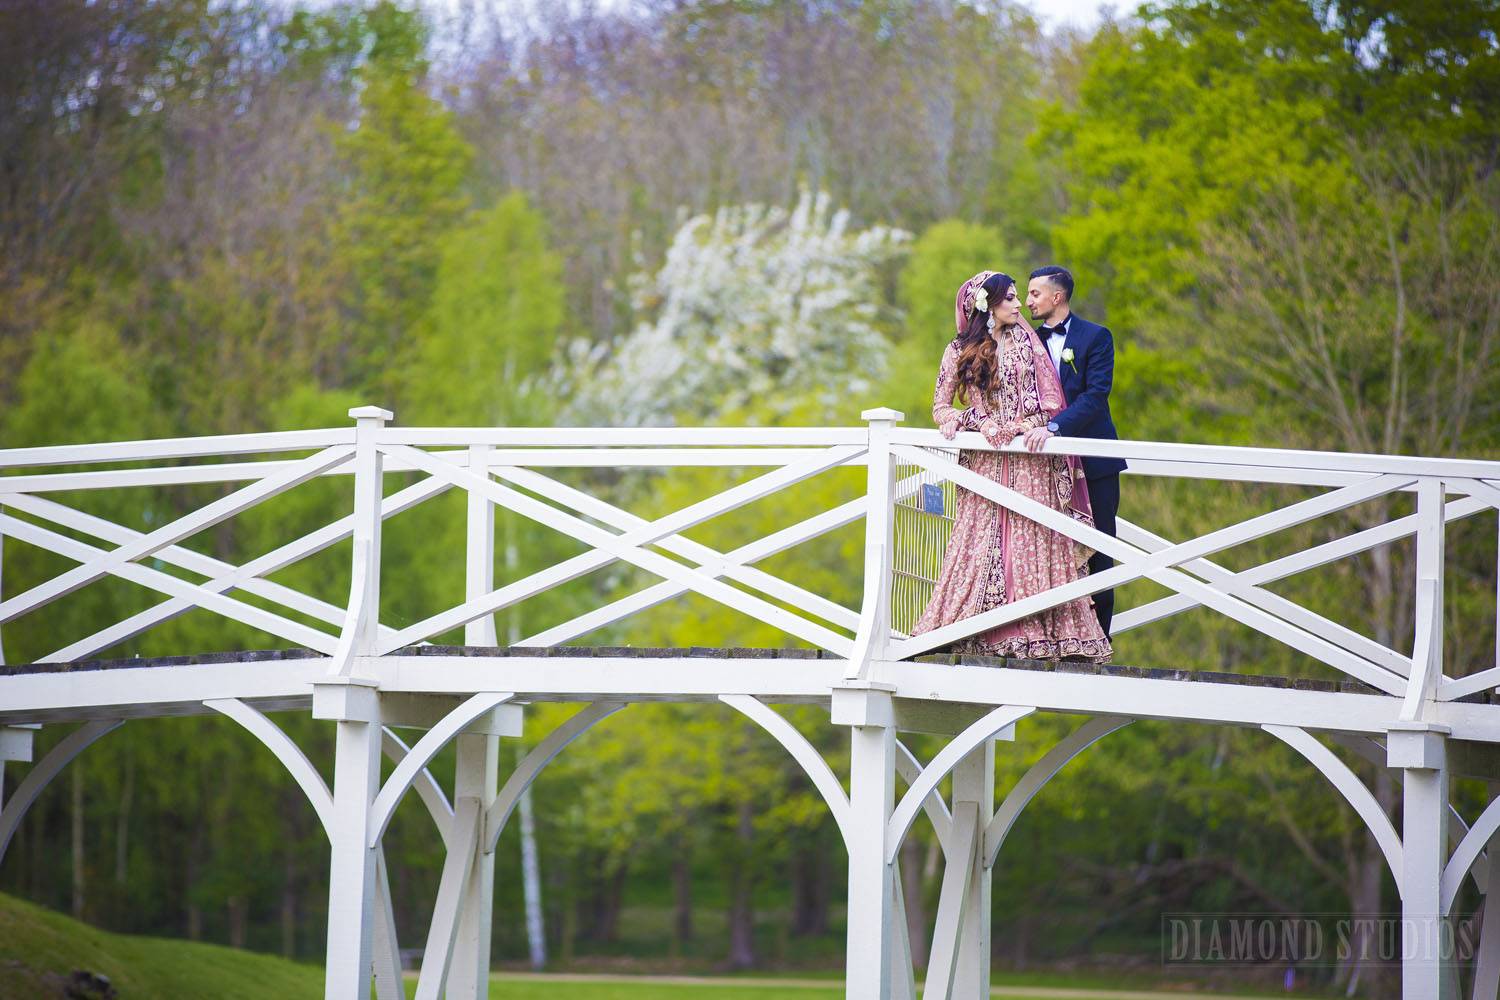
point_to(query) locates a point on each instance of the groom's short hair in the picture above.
(1059, 276)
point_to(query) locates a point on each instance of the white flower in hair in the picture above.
(982, 300)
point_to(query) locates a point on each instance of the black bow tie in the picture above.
(1054, 331)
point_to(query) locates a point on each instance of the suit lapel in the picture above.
(1069, 338)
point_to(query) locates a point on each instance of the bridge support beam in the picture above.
(355, 709)
(1420, 750)
(870, 716)
(476, 779)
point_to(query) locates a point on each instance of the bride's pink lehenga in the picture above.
(995, 557)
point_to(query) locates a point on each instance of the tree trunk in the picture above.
(289, 901)
(607, 906)
(741, 912)
(238, 914)
(682, 898)
(122, 822)
(77, 823)
(194, 864)
(810, 888)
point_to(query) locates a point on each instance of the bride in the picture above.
(996, 378)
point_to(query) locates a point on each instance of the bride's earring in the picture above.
(989, 324)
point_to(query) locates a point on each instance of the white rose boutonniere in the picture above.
(982, 301)
(1067, 359)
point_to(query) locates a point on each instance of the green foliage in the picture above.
(409, 164)
(497, 311)
(226, 218)
(944, 257)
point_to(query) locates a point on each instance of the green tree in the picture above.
(941, 259)
(497, 311)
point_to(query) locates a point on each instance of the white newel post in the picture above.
(1427, 642)
(1420, 750)
(353, 704)
(369, 487)
(870, 716)
(2, 596)
(873, 640)
(477, 772)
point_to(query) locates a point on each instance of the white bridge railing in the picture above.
(515, 469)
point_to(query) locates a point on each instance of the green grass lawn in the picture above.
(39, 950)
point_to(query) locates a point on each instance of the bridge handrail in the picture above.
(582, 441)
(502, 467)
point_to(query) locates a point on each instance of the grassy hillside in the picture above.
(40, 950)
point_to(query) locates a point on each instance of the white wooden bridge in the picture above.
(1400, 705)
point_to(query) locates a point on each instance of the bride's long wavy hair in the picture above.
(977, 364)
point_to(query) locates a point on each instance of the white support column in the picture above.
(903, 976)
(870, 717)
(477, 772)
(1487, 962)
(476, 779)
(873, 638)
(386, 948)
(1420, 750)
(355, 708)
(15, 744)
(974, 781)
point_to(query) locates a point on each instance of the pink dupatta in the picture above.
(1050, 392)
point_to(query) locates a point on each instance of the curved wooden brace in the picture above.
(933, 805)
(289, 753)
(1428, 647)
(14, 808)
(420, 755)
(496, 816)
(1350, 787)
(359, 588)
(1039, 774)
(867, 636)
(428, 790)
(1467, 852)
(946, 760)
(803, 752)
(1373, 751)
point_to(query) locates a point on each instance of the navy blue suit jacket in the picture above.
(1085, 384)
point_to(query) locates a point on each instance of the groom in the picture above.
(1084, 355)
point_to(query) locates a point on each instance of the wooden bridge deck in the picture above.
(718, 653)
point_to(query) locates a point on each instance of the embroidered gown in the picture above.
(996, 557)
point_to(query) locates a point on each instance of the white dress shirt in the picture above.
(1055, 344)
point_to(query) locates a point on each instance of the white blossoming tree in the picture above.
(755, 310)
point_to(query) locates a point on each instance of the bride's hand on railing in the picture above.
(948, 428)
(994, 434)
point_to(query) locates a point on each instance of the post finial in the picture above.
(371, 412)
(883, 413)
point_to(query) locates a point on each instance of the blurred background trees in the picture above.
(220, 217)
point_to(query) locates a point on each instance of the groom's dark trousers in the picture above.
(1104, 495)
(1086, 381)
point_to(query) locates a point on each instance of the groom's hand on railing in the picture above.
(1037, 437)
